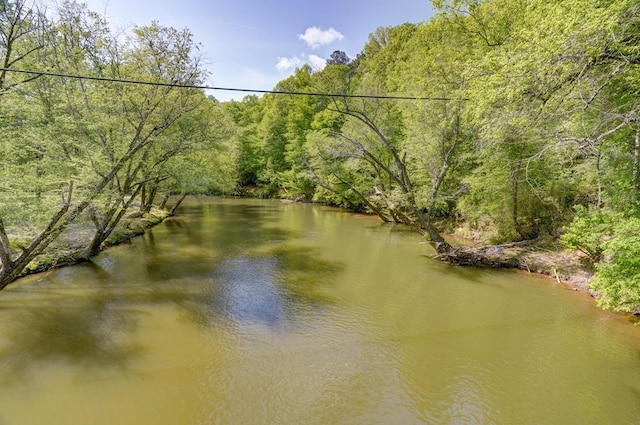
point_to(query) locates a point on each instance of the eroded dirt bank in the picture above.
(570, 269)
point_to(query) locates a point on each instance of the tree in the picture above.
(108, 134)
(21, 32)
(339, 57)
(439, 128)
(617, 280)
(374, 130)
(246, 115)
(207, 159)
(158, 54)
(280, 136)
(21, 35)
(556, 107)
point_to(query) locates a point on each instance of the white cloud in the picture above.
(285, 63)
(315, 37)
(317, 63)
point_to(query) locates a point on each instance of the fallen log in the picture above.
(495, 256)
(566, 268)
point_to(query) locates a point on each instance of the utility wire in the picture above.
(202, 87)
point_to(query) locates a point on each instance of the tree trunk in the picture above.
(163, 202)
(399, 176)
(66, 215)
(515, 186)
(177, 204)
(148, 195)
(107, 225)
(93, 248)
(636, 169)
(151, 197)
(5, 251)
(364, 199)
(143, 198)
(436, 238)
(598, 180)
(424, 227)
(13, 268)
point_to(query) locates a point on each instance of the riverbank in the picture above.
(569, 269)
(242, 299)
(547, 257)
(66, 250)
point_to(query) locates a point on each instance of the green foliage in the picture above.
(485, 213)
(86, 150)
(246, 116)
(271, 137)
(532, 113)
(337, 170)
(590, 230)
(540, 119)
(618, 278)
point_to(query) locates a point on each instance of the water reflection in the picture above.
(269, 286)
(262, 312)
(74, 330)
(306, 276)
(248, 292)
(241, 270)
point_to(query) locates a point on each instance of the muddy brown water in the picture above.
(264, 312)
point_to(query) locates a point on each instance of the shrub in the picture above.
(589, 231)
(617, 278)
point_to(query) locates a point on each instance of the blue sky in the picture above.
(256, 43)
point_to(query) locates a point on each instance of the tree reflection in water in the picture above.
(81, 331)
(266, 281)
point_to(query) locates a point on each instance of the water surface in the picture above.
(264, 312)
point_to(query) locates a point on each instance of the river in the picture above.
(266, 312)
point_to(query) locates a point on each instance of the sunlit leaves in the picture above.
(618, 278)
(111, 139)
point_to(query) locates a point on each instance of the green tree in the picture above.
(439, 128)
(373, 134)
(101, 138)
(280, 137)
(247, 115)
(206, 162)
(617, 280)
(21, 36)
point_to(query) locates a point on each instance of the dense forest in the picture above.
(501, 120)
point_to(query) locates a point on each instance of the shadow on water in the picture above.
(468, 274)
(79, 323)
(199, 224)
(241, 227)
(84, 332)
(240, 259)
(636, 393)
(240, 268)
(305, 275)
(196, 243)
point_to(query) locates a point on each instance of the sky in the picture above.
(253, 44)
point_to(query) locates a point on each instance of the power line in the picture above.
(203, 87)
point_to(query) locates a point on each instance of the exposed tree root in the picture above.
(567, 268)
